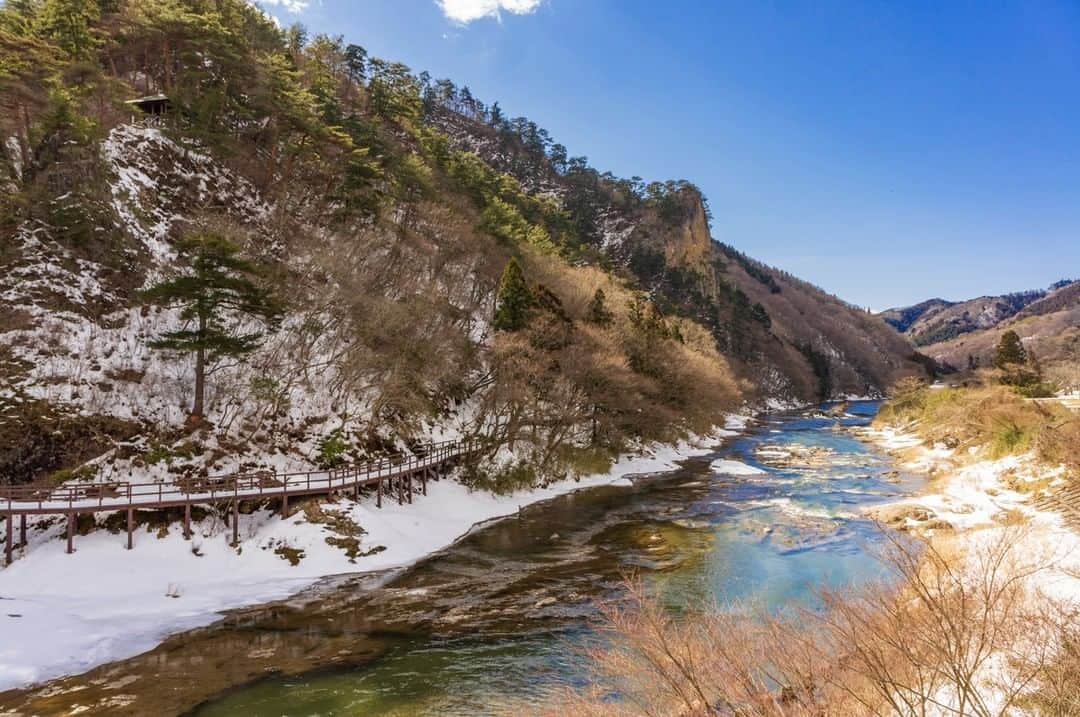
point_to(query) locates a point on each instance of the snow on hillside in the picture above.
(84, 347)
(47, 269)
(104, 603)
(156, 183)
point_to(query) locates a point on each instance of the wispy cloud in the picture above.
(465, 11)
(293, 6)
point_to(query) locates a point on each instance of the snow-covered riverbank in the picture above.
(64, 614)
(972, 505)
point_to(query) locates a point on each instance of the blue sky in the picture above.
(888, 152)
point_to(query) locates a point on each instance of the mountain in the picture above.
(903, 318)
(937, 320)
(380, 211)
(785, 336)
(965, 333)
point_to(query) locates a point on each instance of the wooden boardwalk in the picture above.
(1066, 501)
(395, 476)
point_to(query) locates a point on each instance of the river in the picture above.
(771, 516)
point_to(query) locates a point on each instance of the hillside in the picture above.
(936, 320)
(788, 338)
(1049, 327)
(379, 209)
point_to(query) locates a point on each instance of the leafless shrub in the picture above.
(960, 635)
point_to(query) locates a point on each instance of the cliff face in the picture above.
(787, 338)
(689, 244)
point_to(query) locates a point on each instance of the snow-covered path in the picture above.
(64, 614)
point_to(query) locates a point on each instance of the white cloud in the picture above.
(465, 11)
(294, 6)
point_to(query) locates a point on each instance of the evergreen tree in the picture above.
(1036, 366)
(355, 62)
(212, 297)
(68, 23)
(16, 16)
(514, 299)
(599, 313)
(1010, 351)
(497, 116)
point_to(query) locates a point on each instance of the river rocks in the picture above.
(795, 455)
(911, 517)
(838, 410)
(901, 513)
(691, 523)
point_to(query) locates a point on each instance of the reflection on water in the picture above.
(496, 616)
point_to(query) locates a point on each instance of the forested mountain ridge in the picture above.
(382, 212)
(784, 335)
(937, 320)
(1048, 323)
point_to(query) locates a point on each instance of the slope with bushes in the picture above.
(379, 209)
(787, 337)
(383, 244)
(961, 335)
(1049, 328)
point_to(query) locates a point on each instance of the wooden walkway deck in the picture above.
(394, 475)
(1066, 501)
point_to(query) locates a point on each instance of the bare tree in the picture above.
(946, 637)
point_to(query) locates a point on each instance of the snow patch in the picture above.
(104, 604)
(735, 468)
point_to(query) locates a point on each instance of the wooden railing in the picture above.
(75, 498)
(111, 495)
(85, 496)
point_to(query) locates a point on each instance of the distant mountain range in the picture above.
(959, 333)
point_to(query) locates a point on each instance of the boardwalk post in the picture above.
(433, 463)
(71, 533)
(236, 513)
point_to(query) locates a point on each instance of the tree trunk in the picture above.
(200, 373)
(200, 383)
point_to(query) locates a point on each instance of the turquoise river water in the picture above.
(494, 619)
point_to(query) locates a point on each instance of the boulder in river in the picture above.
(901, 513)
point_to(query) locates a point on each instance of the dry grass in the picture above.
(992, 418)
(955, 635)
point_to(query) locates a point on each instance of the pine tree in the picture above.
(1036, 366)
(514, 299)
(599, 313)
(68, 23)
(1010, 351)
(356, 62)
(217, 293)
